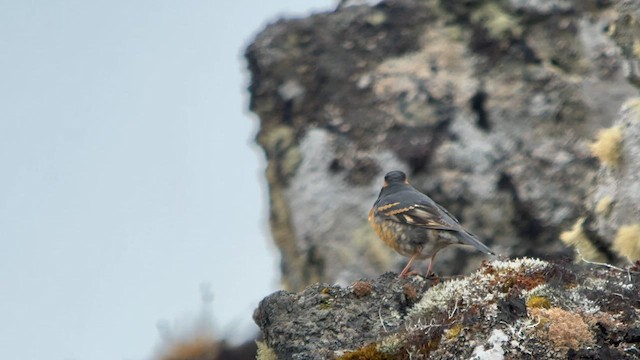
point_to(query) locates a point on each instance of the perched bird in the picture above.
(413, 224)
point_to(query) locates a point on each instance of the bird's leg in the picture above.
(429, 270)
(405, 271)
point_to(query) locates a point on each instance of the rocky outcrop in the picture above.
(518, 309)
(322, 319)
(490, 107)
(612, 226)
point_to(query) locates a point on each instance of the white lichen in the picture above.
(390, 345)
(540, 290)
(495, 350)
(473, 289)
(440, 296)
(525, 263)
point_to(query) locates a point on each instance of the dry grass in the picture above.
(566, 330)
(603, 207)
(577, 238)
(199, 347)
(627, 241)
(608, 146)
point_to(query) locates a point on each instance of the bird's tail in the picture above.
(470, 239)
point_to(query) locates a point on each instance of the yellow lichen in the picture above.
(608, 146)
(454, 331)
(603, 207)
(627, 241)
(265, 352)
(578, 239)
(636, 48)
(538, 302)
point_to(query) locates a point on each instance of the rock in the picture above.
(625, 30)
(489, 106)
(322, 319)
(614, 219)
(516, 309)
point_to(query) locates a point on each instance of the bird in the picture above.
(414, 225)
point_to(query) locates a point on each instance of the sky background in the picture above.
(129, 177)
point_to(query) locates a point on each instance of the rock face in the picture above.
(615, 205)
(626, 32)
(518, 309)
(488, 105)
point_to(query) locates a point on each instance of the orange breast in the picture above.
(385, 233)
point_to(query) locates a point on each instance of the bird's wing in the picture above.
(426, 214)
(421, 211)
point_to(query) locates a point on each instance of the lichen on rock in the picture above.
(488, 314)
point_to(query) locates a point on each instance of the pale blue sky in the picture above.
(128, 177)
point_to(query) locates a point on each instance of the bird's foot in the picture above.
(406, 274)
(432, 277)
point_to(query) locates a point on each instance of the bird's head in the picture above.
(395, 177)
(394, 181)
